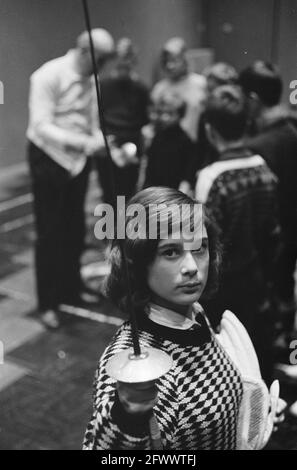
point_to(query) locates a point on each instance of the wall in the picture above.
(34, 31)
(243, 31)
(287, 43)
(239, 31)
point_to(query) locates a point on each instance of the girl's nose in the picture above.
(189, 265)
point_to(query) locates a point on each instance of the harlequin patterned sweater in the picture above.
(240, 192)
(198, 399)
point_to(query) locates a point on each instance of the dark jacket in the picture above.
(169, 157)
(277, 144)
(125, 103)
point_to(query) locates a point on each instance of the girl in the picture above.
(197, 404)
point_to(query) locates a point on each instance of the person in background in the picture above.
(125, 99)
(216, 75)
(191, 87)
(275, 139)
(220, 74)
(240, 191)
(63, 132)
(168, 149)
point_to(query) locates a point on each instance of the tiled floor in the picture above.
(52, 402)
(46, 379)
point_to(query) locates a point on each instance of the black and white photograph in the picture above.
(148, 227)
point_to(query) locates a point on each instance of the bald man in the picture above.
(63, 132)
(191, 87)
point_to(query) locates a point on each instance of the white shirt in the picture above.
(62, 112)
(165, 317)
(192, 89)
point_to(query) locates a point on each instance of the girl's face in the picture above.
(178, 274)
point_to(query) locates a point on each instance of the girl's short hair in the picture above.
(141, 252)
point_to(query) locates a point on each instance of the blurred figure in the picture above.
(276, 142)
(191, 87)
(240, 191)
(63, 132)
(219, 74)
(216, 75)
(125, 99)
(169, 150)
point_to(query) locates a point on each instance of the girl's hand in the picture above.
(137, 397)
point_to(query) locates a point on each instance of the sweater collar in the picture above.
(238, 151)
(166, 317)
(196, 334)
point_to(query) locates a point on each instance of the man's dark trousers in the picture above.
(60, 229)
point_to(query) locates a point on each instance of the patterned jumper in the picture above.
(198, 399)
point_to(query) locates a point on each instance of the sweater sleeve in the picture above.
(269, 233)
(111, 427)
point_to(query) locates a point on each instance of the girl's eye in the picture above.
(170, 253)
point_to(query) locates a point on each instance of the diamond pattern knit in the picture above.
(198, 400)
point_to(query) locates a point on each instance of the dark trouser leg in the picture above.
(263, 337)
(73, 236)
(125, 179)
(103, 168)
(243, 294)
(285, 282)
(49, 182)
(238, 294)
(287, 266)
